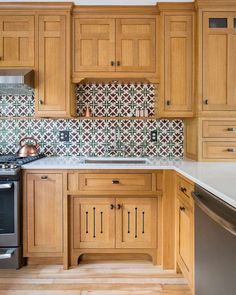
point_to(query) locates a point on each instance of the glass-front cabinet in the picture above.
(219, 61)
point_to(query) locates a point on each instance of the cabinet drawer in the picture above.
(184, 189)
(220, 129)
(111, 182)
(219, 150)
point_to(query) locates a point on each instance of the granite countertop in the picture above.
(218, 178)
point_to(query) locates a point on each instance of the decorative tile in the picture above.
(94, 137)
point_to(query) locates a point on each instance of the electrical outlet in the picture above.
(154, 136)
(64, 135)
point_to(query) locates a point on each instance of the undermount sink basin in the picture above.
(115, 161)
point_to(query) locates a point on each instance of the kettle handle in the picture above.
(30, 138)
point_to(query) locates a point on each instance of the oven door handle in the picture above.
(5, 185)
(7, 254)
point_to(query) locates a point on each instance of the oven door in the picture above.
(9, 214)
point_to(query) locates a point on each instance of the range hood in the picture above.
(24, 77)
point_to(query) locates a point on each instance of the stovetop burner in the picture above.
(10, 164)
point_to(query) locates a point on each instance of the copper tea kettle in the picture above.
(28, 150)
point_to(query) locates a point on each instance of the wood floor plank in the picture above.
(93, 278)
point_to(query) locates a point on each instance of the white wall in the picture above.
(105, 2)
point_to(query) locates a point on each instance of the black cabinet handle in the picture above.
(112, 206)
(183, 189)
(44, 177)
(182, 208)
(231, 129)
(118, 63)
(231, 150)
(168, 102)
(112, 63)
(206, 101)
(119, 206)
(115, 181)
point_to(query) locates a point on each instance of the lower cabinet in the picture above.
(114, 222)
(185, 236)
(43, 215)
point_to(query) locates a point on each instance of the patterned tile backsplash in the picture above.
(94, 137)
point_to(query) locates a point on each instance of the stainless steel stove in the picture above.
(11, 210)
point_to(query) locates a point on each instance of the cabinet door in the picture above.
(135, 45)
(53, 64)
(219, 61)
(94, 45)
(136, 222)
(184, 237)
(93, 222)
(44, 213)
(178, 60)
(16, 41)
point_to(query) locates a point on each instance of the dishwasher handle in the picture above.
(216, 216)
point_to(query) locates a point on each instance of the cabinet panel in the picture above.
(184, 238)
(135, 45)
(219, 150)
(178, 90)
(219, 61)
(53, 89)
(93, 222)
(16, 41)
(219, 128)
(111, 182)
(44, 213)
(136, 222)
(94, 45)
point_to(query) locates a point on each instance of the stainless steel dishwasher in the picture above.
(215, 245)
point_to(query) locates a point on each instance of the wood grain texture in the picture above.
(96, 278)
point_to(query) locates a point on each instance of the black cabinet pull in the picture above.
(112, 63)
(183, 189)
(231, 150)
(112, 206)
(168, 102)
(44, 177)
(206, 101)
(119, 206)
(231, 129)
(118, 63)
(115, 181)
(182, 208)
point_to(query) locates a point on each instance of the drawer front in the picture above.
(220, 129)
(219, 150)
(111, 182)
(184, 189)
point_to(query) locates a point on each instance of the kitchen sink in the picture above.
(116, 161)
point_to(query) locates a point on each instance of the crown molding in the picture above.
(65, 6)
(214, 3)
(122, 9)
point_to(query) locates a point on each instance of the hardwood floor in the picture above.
(93, 278)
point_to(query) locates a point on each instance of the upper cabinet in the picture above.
(176, 98)
(53, 92)
(115, 45)
(219, 61)
(16, 41)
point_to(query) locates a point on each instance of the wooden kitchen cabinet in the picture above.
(177, 90)
(54, 95)
(93, 222)
(121, 45)
(136, 222)
(17, 40)
(135, 45)
(184, 227)
(94, 45)
(219, 61)
(43, 216)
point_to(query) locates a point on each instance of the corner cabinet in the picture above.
(54, 91)
(43, 212)
(115, 46)
(219, 61)
(177, 85)
(17, 40)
